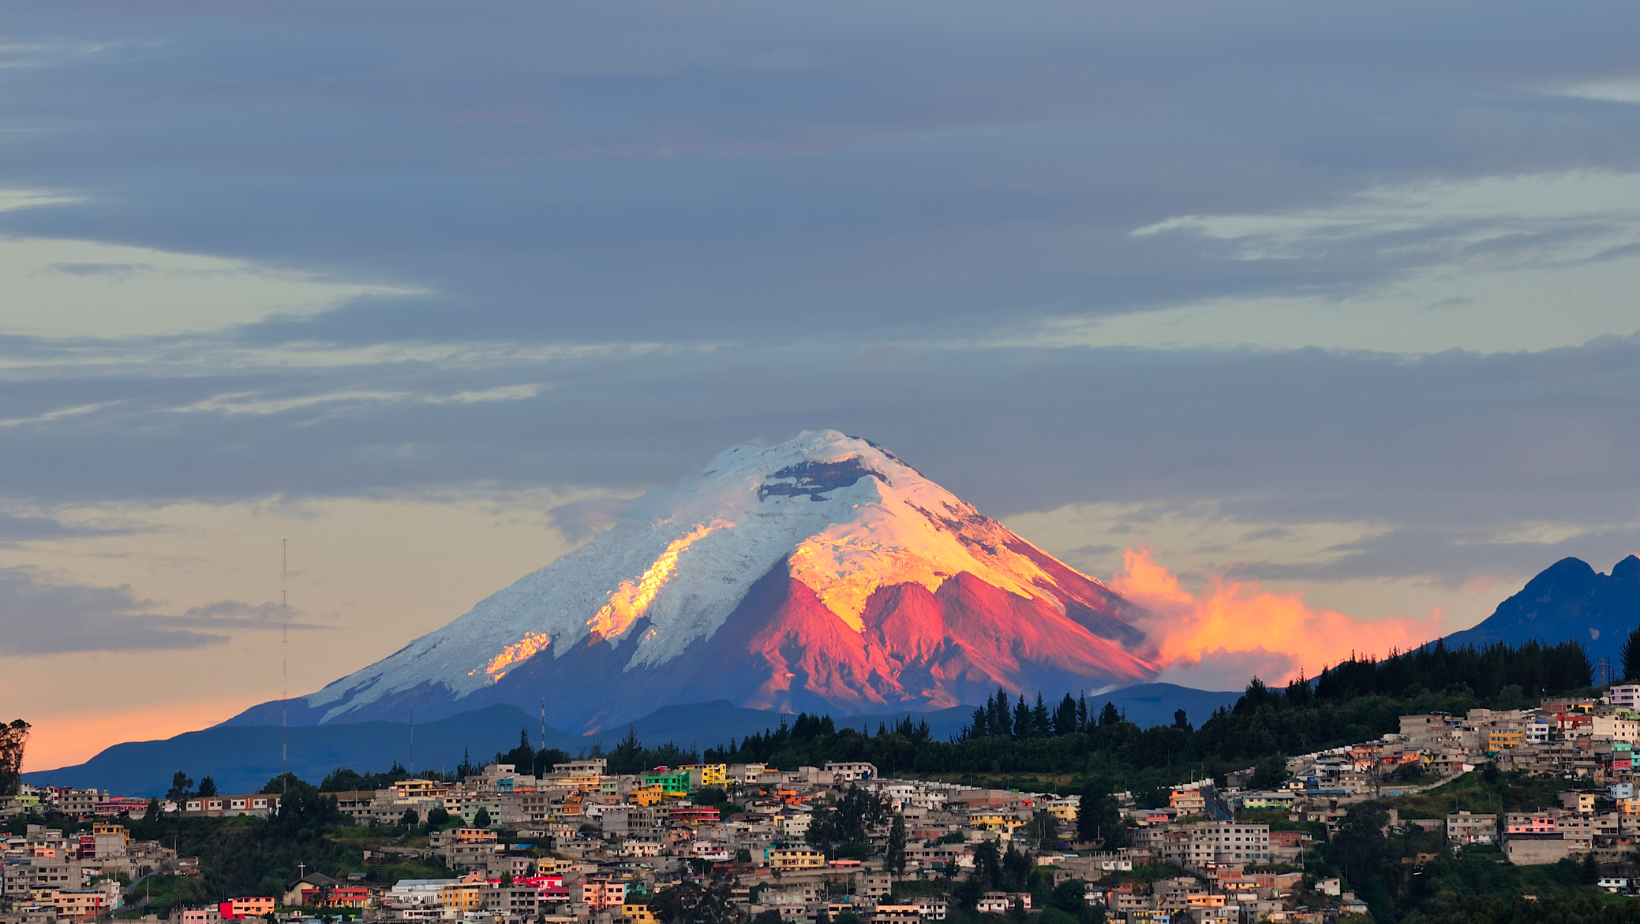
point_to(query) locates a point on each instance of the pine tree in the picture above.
(1022, 718)
(1041, 724)
(1109, 716)
(980, 727)
(1064, 717)
(1001, 715)
(1081, 712)
(1631, 656)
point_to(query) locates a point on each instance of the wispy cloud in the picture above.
(1611, 90)
(254, 403)
(1547, 219)
(58, 414)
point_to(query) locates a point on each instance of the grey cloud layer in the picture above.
(743, 171)
(796, 201)
(1456, 438)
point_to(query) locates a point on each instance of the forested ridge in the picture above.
(1075, 737)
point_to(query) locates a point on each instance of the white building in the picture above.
(1624, 694)
(851, 771)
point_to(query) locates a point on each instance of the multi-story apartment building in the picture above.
(1468, 828)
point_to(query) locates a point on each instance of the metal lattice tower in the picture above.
(284, 665)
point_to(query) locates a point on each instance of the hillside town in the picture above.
(582, 844)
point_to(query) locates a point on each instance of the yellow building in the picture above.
(646, 795)
(996, 821)
(639, 914)
(1063, 810)
(111, 829)
(1501, 740)
(552, 866)
(462, 896)
(710, 774)
(411, 789)
(80, 904)
(796, 858)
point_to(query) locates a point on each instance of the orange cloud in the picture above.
(1244, 623)
(70, 738)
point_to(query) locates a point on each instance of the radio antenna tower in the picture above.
(284, 666)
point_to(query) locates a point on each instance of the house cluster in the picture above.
(1581, 739)
(80, 803)
(582, 844)
(1584, 741)
(47, 876)
(96, 803)
(1600, 822)
(1225, 893)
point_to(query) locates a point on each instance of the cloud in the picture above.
(16, 530)
(1413, 268)
(584, 178)
(64, 288)
(1274, 438)
(1233, 625)
(233, 614)
(1453, 556)
(581, 520)
(1611, 90)
(684, 259)
(39, 617)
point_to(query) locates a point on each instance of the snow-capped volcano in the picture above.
(820, 573)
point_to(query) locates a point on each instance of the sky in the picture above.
(1330, 304)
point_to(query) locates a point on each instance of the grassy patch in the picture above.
(1471, 793)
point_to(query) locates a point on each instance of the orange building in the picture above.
(239, 908)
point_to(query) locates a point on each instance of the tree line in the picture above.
(1353, 701)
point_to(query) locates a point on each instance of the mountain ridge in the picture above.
(241, 758)
(1568, 600)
